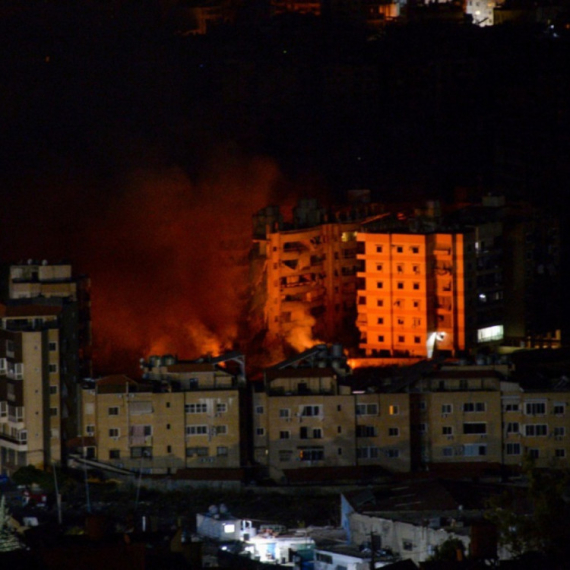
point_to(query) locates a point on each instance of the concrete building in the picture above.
(306, 416)
(183, 415)
(307, 272)
(415, 290)
(33, 403)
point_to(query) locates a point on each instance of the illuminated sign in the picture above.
(490, 333)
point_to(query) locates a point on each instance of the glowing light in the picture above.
(490, 333)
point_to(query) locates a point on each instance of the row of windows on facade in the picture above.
(199, 408)
(511, 449)
(317, 410)
(15, 370)
(530, 430)
(530, 408)
(401, 303)
(318, 453)
(317, 433)
(147, 452)
(146, 430)
(414, 249)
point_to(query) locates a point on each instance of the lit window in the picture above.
(394, 410)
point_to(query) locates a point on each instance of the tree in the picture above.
(8, 539)
(535, 519)
(449, 550)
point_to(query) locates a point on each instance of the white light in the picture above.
(229, 528)
(490, 333)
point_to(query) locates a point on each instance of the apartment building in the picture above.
(307, 271)
(33, 401)
(182, 415)
(306, 416)
(47, 283)
(415, 290)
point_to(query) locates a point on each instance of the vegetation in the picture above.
(8, 539)
(535, 519)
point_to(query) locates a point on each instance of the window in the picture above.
(284, 413)
(447, 452)
(393, 431)
(141, 452)
(474, 450)
(559, 431)
(392, 453)
(447, 408)
(399, 249)
(417, 339)
(366, 431)
(197, 452)
(400, 268)
(558, 408)
(416, 304)
(196, 430)
(285, 455)
(380, 320)
(513, 427)
(52, 368)
(379, 284)
(223, 430)
(379, 267)
(53, 390)
(401, 338)
(378, 249)
(90, 429)
(415, 249)
(394, 410)
(114, 411)
(380, 338)
(259, 409)
(513, 449)
(222, 451)
(534, 453)
(423, 428)
(561, 453)
(511, 407)
(366, 409)
(221, 408)
(196, 408)
(474, 407)
(260, 431)
(367, 453)
(399, 285)
(535, 408)
(311, 411)
(311, 453)
(114, 432)
(52, 346)
(317, 433)
(114, 454)
(416, 286)
(53, 412)
(284, 434)
(380, 303)
(536, 430)
(447, 430)
(475, 428)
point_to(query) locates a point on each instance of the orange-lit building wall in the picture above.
(310, 282)
(413, 297)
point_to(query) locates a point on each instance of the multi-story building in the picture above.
(415, 290)
(33, 403)
(305, 417)
(182, 415)
(307, 273)
(32, 288)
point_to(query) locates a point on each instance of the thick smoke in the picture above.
(167, 257)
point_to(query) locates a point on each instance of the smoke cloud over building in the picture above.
(167, 256)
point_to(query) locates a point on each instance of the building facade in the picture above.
(182, 415)
(33, 402)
